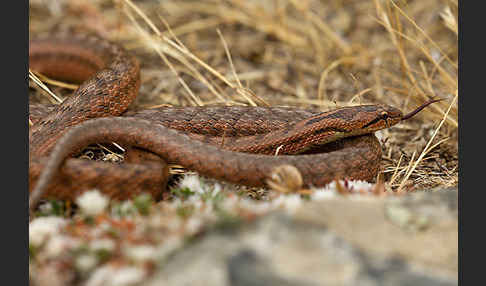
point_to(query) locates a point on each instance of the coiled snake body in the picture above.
(218, 142)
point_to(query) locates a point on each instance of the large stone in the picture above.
(408, 240)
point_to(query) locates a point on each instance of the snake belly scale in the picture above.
(235, 144)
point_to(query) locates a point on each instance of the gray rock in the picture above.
(246, 268)
(338, 241)
(423, 208)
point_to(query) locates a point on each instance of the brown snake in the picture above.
(214, 141)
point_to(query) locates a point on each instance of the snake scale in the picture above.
(236, 144)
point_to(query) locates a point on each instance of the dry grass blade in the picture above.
(448, 79)
(246, 93)
(228, 55)
(396, 173)
(54, 82)
(427, 149)
(407, 169)
(53, 97)
(321, 90)
(197, 74)
(335, 38)
(192, 97)
(200, 62)
(449, 20)
(246, 14)
(181, 49)
(359, 94)
(201, 24)
(111, 152)
(423, 33)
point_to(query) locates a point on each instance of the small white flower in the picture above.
(127, 207)
(45, 207)
(331, 187)
(141, 253)
(290, 202)
(43, 227)
(217, 189)
(92, 202)
(193, 183)
(358, 189)
(85, 262)
(355, 185)
(57, 245)
(102, 244)
(359, 185)
(322, 194)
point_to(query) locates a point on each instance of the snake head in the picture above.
(381, 116)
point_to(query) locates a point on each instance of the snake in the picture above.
(238, 144)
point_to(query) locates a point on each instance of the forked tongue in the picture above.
(418, 109)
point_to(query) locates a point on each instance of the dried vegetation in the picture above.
(311, 54)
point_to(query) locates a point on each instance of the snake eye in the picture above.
(384, 116)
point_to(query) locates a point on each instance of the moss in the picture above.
(52, 208)
(183, 193)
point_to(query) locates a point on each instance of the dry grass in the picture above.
(311, 54)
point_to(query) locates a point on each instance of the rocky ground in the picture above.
(411, 240)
